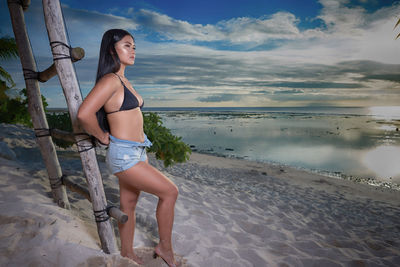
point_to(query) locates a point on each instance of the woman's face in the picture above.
(126, 50)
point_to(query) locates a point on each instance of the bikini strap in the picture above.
(112, 112)
(120, 79)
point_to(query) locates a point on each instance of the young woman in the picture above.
(126, 154)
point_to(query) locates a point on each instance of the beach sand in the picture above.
(229, 212)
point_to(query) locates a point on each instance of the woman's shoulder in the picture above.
(109, 80)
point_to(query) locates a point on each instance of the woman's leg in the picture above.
(128, 199)
(146, 178)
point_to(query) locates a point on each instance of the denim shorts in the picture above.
(124, 154)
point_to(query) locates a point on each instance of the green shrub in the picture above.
(60, 121)
(15, 109)
(166, 146)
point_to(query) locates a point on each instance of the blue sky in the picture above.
(234, 53)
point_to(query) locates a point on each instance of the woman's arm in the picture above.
(98, 96)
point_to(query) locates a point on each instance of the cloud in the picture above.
(293, 91)
(370, 70)
(319, 98)
(384, 77)
(220, 98)
(351, 18)
(351, 57)
(173, 29)
(281, 25)
(340, 19)
(315, 84)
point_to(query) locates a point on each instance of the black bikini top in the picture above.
(130, 100)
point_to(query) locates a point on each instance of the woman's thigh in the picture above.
(145, 177)
(129, 195)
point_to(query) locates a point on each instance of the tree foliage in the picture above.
(8, 50)
(12, 109)
(167, 147)
(15, 109)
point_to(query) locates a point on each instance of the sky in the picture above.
(233, 53)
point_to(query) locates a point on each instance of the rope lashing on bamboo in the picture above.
(30, 74)
(19, 2)
(25, 4)
(84, 148)
(60, 56)
(101, 215)
(56, 182)
(104, 215)
(42, 132)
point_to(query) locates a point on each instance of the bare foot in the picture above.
(167, 256)
(133, 256)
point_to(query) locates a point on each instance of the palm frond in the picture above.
(8, 48)
(6, 76)
(397, 24)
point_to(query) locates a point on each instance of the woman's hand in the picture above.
(105, 140)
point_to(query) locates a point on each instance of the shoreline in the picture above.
(230, 212)
(334, 175)
(298, 176)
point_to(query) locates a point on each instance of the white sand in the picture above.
(229, 213)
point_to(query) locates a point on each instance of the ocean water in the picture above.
(344, 142)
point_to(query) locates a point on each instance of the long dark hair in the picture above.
(108, 58)
(108, 62)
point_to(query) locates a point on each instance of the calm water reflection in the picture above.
(359, 145)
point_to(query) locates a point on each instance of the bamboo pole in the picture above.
(118, 215)
(63, 135)
(112, 211)
(66, 73)
(35, 105)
